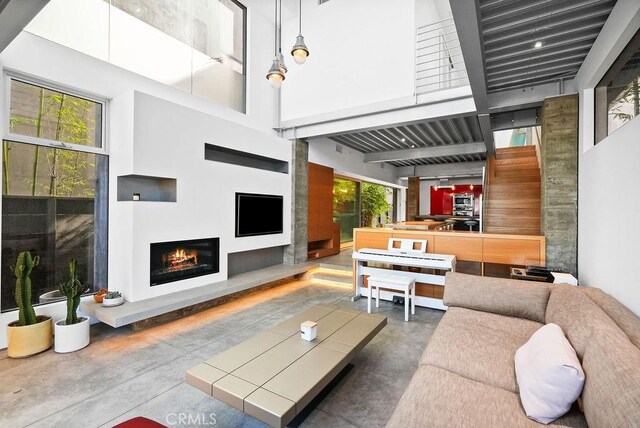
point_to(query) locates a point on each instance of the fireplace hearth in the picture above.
(178, 260)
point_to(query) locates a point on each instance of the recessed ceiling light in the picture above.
(403, 139)
(537, 44)
(413, 146)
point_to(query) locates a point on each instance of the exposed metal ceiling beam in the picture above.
(426, 152)
(449, 169)
(466, 15)
(487, 133)
(16, 14)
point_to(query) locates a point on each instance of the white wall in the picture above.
(167, 140)
(361, 52)
(608, 250)
(61, 65)
(351, 163)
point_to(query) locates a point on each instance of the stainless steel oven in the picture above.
(463, 204)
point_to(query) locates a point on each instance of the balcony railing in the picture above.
(439, 61)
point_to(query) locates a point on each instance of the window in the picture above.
(41, 113)
(517, 137)
(54, 189)
(363, 204)
(196, 46)
(618, 93)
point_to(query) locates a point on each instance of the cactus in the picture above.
(72, 290)
(22, 270)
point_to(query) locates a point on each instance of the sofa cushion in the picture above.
(479, 345)
(549, 374)
(439, 398)
(497, 295)
(628, 322)
(612, 387)
(577, 315)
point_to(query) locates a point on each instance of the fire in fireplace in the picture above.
(178, 260)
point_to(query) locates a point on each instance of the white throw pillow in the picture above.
(549, 374)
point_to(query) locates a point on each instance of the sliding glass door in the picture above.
(346, 207)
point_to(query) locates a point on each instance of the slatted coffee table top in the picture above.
(275, 374)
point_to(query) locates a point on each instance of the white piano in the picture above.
(403, 252)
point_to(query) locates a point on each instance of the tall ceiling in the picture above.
(436, 133)
(510, 29)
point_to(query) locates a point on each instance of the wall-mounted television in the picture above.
(258, 214)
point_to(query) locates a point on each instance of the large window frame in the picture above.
(9, 76)
(600, 93)
(103, 150)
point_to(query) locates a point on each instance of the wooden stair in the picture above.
(512, 196)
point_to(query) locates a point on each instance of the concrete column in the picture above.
(559, 174)
(413, 198)
(297, 251)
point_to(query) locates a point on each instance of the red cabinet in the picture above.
(442, 198)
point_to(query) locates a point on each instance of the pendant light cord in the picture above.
(280, 28)
(300, 20)
(275, 25)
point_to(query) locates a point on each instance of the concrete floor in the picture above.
(124, 373)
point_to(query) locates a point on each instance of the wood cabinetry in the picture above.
(322, 237)
(475, 247)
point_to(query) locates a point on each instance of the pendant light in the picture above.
(283, 66)
(275, 75)
(299, 50)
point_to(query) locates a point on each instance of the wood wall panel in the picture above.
(312, 194)
(372, 240)
(469, 249)
(511, 251)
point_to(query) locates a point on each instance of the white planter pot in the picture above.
(69, 338)
(113, 302)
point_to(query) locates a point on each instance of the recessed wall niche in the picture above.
(151, 189)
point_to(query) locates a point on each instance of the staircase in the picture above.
(512, 194)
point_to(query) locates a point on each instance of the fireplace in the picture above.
(177, 260)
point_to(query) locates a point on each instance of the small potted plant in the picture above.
(72, 333)
(99, 295)
(32, 333)
(112, 298)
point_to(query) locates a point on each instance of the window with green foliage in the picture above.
(54, 189)
(46, 114)
(618, 93)
(376, 204)
(361, 204)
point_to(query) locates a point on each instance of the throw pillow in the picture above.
(549, 374)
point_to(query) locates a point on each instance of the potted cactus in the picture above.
(32, 333)
(72, 333)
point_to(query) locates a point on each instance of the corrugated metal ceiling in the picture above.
(510, 29)
(425, 134)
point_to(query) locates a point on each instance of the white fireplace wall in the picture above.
(167, 140)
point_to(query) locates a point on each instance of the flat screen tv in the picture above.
(258, 214)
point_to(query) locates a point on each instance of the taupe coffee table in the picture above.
(274, 375)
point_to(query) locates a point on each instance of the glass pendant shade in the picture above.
(300, 51)
(275, 74)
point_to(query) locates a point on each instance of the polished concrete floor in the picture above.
(125, 373)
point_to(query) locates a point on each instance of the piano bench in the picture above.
(402, 283)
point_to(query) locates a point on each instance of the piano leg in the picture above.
(359, 280)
